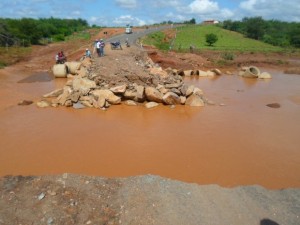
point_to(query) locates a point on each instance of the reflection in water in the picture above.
(241, 143)
(38, 77)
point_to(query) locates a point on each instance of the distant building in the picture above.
(210, 22)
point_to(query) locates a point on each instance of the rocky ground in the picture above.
(74, 199)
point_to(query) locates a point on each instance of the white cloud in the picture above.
(130, 4)
(203, 7)
(128, 19)
(287, 10)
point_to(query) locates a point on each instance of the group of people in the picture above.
(99, 47)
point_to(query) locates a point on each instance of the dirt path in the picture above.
(72, 199)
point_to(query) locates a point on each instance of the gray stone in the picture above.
(171, 98)
(176, 91)
(140, 93)
(129, 94)
(108, 96)
(119, 89)
(87, 104)
(78, 105)
(189, 90)
(194, 100)
(131, 103)
(153, 95)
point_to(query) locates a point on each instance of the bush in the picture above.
(211, 39)
(228, 56)
(59, 37)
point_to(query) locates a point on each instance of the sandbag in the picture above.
(59, 70)
(73, 67)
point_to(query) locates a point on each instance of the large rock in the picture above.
(83, 85)
(74, 96)
(140, 93)
(171, 98)
(158, 71)
(119, 89)
(54, 93)
(73, 67)
(129, 94)
(131, 103)
(198, 91)
(64, 96)
(108, 96)
(150, 105)
(189, 90)
(81, 72)
(60, 70)
(153, 95)
(194, 100)
(182, 100)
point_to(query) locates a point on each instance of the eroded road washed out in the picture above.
(237, 141)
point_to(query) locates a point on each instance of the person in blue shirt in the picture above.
(88, 53)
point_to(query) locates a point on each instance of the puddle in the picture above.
(38, 77)
(241, 143)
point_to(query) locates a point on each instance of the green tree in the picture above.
(211, 39)
(254, 27)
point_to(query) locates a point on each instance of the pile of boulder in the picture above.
(85, 88)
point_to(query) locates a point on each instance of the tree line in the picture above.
(27, 31)
(274, 32)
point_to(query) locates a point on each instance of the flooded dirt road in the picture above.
(243, 142)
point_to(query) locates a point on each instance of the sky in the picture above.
(143, 12)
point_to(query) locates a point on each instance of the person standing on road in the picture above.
(95, 46)
(98, 48)
(102, 45)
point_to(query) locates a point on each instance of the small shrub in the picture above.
(228, 56)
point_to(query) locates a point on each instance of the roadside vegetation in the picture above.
(274, 32)
(27, 31)
(195, 36)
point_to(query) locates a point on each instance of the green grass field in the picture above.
(227, 40)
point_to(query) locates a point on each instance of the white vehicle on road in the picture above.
(128, 29)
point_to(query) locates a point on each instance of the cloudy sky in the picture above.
(141, 12)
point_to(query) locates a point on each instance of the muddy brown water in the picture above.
(243, 142)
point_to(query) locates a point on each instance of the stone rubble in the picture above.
(86, 88)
